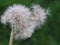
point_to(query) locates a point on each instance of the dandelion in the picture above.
(39, 14)
(23, 21)
(18, 17)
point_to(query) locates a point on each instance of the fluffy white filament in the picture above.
(22, 20)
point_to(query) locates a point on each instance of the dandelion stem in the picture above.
(11, 38)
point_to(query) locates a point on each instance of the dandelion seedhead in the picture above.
(22, 20)
(18, 17)
(39, 14)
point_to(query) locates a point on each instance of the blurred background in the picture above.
(49, 34)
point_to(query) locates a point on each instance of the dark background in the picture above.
(49, 34)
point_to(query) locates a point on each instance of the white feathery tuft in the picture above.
(18, 16)
(39, 14)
